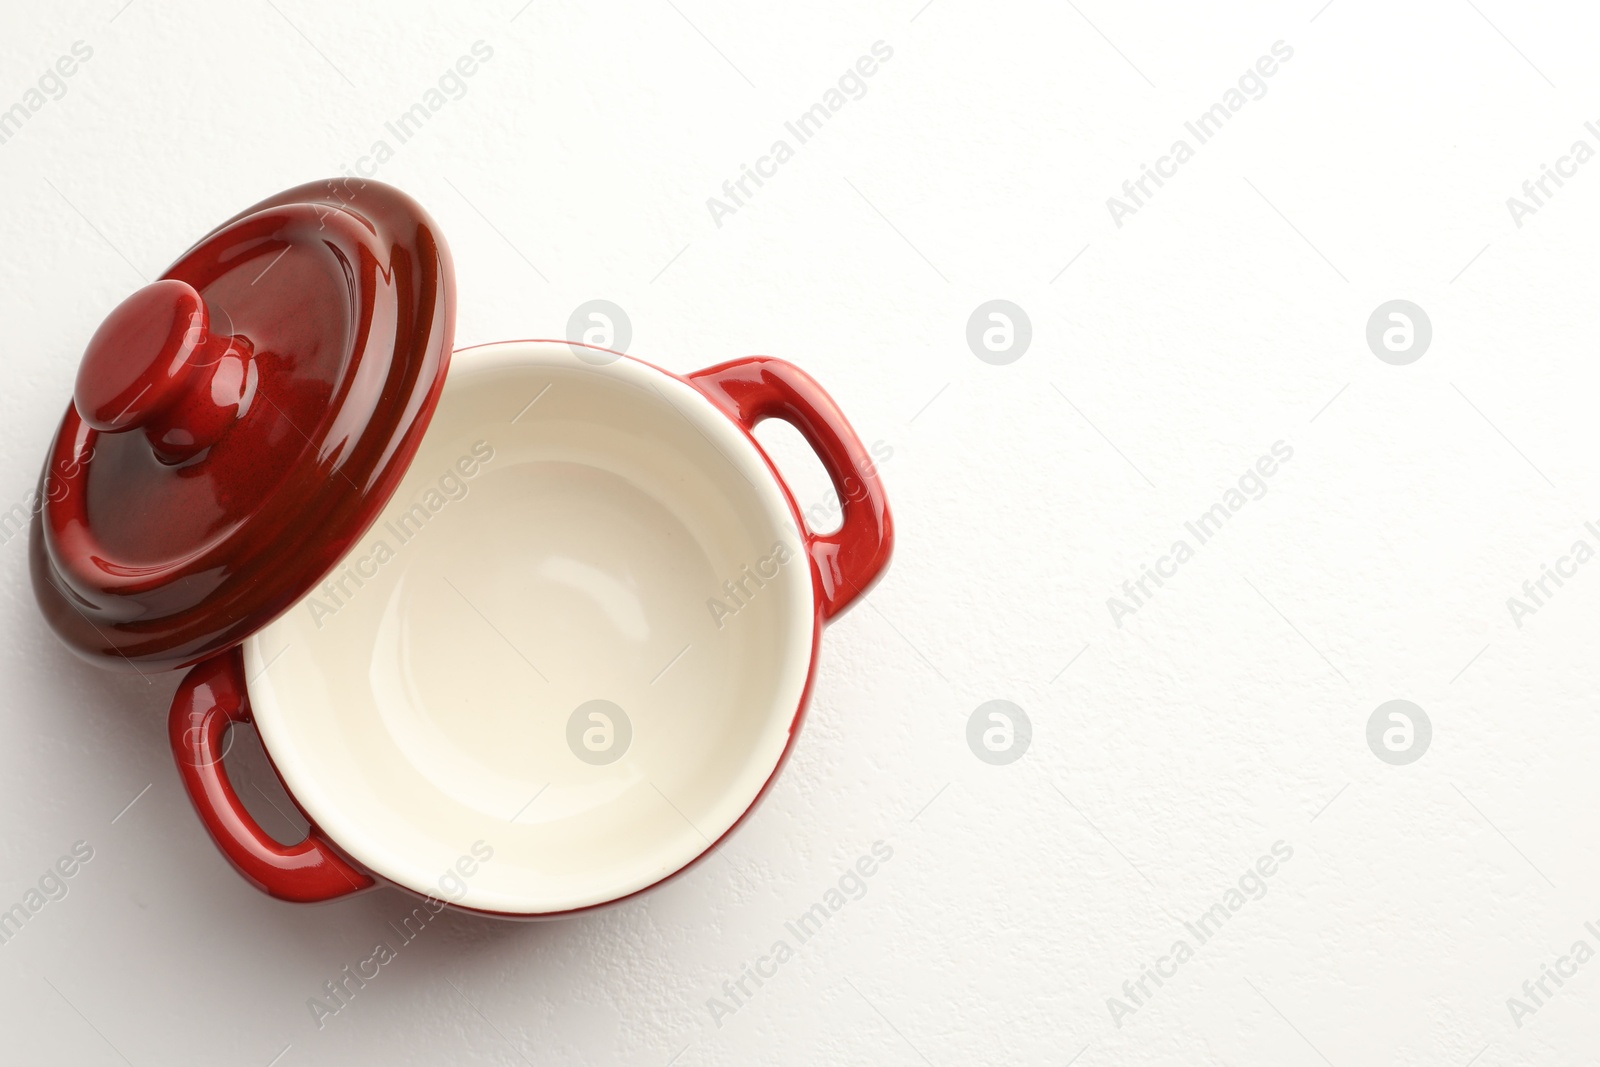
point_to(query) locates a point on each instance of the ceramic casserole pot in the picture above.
(527, 629)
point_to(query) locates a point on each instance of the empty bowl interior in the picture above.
(575, 641)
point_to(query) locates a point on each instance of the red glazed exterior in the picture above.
(847, 562)
(213, 697)
(844, 565)
(274, 428)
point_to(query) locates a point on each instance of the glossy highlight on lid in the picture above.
(139, 360)
(154, 363)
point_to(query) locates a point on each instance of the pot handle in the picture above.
(851, 558)
(212, 697)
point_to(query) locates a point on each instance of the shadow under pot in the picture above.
(529, 636)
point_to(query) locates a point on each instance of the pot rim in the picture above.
(373, 854)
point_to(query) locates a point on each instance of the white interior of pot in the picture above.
(563, 537)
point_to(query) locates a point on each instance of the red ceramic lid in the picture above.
(238, 424)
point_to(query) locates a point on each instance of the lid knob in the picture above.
(154, 363)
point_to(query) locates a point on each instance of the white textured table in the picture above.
(1199, 772)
